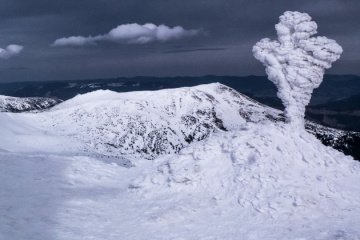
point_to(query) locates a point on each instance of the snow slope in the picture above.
(148, 124)
(262, 181)
(258, 180)
(152, 123)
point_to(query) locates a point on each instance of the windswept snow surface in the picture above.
(256, 181)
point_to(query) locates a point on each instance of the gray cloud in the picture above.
(74, 41)
(10, 51)
(196, 50)
(130, 34)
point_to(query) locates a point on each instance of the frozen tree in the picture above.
(296, 62)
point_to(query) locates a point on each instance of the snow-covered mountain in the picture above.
(250, 177)
(150, 123)
(158, 122)
(62, 173)
(15, 104)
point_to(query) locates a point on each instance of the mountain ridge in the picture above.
(15, 104)
(174, 125)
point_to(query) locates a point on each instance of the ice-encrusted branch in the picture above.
(296, 62)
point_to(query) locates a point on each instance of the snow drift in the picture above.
(276, 183)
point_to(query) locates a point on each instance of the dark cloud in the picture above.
(195, 50)
(232, 25)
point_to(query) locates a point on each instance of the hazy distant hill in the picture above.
(342, 113)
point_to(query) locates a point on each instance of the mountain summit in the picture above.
(82, 170)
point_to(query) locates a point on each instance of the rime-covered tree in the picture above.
(296, 62)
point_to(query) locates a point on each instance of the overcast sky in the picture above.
(216, 36)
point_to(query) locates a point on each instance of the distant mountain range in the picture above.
(342, 113)
(335, 103)
(15, 104)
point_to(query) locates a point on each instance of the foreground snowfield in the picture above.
(258, 181)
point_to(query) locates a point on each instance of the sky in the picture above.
(181, 38)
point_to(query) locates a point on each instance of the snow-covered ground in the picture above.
(15, 104)
(259, 180)
(152, 123)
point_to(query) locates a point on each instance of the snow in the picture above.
(296, 62)
(259, 180)
(16, 104)
(150, 123)
(272, 182)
